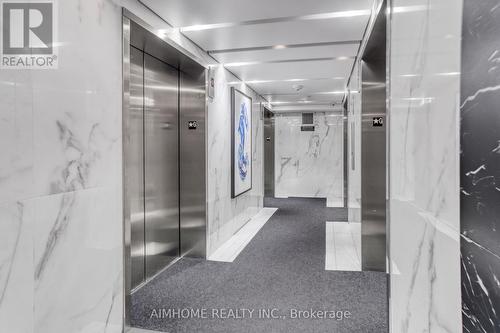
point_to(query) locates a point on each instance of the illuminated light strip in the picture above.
(287, 80)
(285, 46)
(322, 16)
(252, 63)
(410, 9)
(302, 102)
(437, 74)
(329, 93)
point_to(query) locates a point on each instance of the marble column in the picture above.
(354, 147)
(424, 189)
(480, 166)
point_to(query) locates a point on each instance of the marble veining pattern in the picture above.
(226, 215)
(310, 164)
(424, 166)
(16, 267)
(60, 181)
(480, 165)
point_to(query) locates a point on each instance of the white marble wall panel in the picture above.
(309, 164)
(77, 267)
(227, 215)
(424, 150)
(16, 268)
(60, 181)
(16, 135)
(354, 148)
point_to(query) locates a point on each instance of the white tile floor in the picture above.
(343, 246)
(233, 247)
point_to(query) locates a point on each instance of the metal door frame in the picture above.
(374, 210)
(127, 19)
(272, 120)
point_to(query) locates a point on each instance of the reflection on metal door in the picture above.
(268, 153)
(161, 158)
(135, 165)
(152, 162)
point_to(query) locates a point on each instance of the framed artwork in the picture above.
(241, 143)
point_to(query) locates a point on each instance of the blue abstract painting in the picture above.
(242, 143)
(242, 152)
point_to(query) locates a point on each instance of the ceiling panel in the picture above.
(294, 32)
(289, 53)
(181, 13)
(242, 28)
(305, 99)
(293, 70)
(308, 87)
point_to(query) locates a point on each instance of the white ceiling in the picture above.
(278, 42)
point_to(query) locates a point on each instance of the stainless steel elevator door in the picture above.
(192, 162)
(161, 160)
(268, 153)
(135, 165)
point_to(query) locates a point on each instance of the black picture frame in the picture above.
(235, 91)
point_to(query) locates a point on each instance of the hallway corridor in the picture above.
(283, 267)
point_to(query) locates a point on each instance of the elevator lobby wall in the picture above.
(227, 215)
(61, 181)
(61, 177)
(310, 163)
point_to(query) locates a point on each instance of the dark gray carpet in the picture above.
(282, 268)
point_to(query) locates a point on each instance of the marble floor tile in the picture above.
(228, 251)
(330, 259)
(343, 246)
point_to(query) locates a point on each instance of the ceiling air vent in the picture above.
(307, 122)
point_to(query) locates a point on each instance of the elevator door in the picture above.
(153, 164)
(161, 164)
